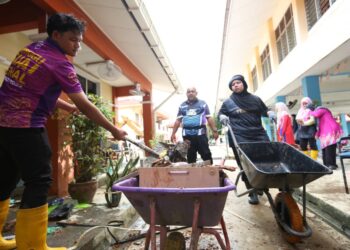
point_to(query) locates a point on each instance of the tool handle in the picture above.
(142, 146)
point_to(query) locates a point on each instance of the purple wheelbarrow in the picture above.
(200, 208)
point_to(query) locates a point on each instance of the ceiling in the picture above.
(244, 28)
(142, 47)
(127, 24)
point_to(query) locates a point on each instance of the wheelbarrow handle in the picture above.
(236, 184)
(142, 146)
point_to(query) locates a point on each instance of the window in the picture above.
(266, 63)
(285, 35)
(315, 10)
(88, 86)
(137, 118)
(255, 79)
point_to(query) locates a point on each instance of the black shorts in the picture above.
(25, 153)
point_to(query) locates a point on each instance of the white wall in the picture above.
(10, 44)
(326, 35)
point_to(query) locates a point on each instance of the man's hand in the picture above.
(119, 134)
(224, 119)
(173, 138)
(215, 134)
(74, 110)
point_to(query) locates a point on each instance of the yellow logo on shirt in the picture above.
(26, 62)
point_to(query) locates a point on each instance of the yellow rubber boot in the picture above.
(4, 209)
(31, 226)
(314, 154)
(306, 152)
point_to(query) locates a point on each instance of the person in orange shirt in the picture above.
(284, 124)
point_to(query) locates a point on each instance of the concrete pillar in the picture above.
(345, 125)
(148, 119)
(311, 88)
(249, 79)
(258, 66)
(269, 129)
(281, 98)
(300, 21)
(273, 46)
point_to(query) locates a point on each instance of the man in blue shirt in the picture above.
(194, 115)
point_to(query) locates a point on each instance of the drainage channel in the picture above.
(329, 214)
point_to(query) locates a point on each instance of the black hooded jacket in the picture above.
(245, 111)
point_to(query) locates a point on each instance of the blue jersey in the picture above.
(194, 117)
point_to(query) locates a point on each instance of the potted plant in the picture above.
(117, 169)
(89, 157)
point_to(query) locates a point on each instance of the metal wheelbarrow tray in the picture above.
(174, 206)
(278, 165)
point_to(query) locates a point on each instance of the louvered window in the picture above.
(255, 79)
(285, 35)
(266, 63)
(89, 87)
(315, 10)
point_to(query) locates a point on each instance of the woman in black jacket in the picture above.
(244, 111)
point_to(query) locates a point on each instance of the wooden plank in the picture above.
(179, 177)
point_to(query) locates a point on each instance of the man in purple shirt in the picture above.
(28, 95)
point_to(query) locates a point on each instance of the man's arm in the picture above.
(61, 104)
(212, 125)
(176, 127)
(94, 114)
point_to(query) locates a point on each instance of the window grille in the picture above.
(315, 10)
(255, 79)
(266, 63)
(89, 87)
(285, 35)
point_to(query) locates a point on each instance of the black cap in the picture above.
(238, 77)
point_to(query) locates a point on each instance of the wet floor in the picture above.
(254, 227)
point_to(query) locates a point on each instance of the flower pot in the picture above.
(83, 192)
(113, 198)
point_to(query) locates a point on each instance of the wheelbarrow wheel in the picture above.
(175, 241)
(292, 216)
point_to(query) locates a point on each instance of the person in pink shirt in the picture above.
(284, 124)
(329, 132)
(307, 129)
(29, 93)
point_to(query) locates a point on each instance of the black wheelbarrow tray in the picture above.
(195, 207)
(279, 165)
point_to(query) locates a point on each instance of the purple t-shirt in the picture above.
(33, 83)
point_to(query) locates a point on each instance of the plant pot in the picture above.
(113, 198)
(83, 192)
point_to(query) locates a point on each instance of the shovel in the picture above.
(142, 146)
